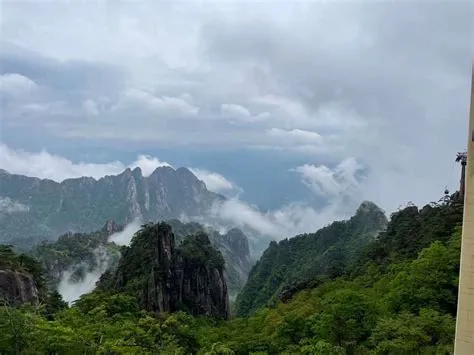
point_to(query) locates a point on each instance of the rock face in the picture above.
(166, 278)
(18, 288)
(21, 279)
(32, 208)
(234, 247)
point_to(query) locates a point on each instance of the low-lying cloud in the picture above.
(71, 290)
(125, 236)
(216, 182)
(7, 205)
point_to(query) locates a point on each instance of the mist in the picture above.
(125, 236)
(71, 290)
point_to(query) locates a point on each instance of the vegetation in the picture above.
(397, 296)
(76, 253)
(324, 253)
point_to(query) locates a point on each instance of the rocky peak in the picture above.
(237, 241)
(111, 227)
(137, 173)
(371, 216)
(167, 279)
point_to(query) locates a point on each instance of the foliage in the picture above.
(76, 253)
(399, 301)
(304, 257)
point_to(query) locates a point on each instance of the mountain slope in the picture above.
(400, 299)
(326, 252)
(32, 208)
(167, 278)
(81, 253)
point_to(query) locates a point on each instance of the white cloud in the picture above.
(328, 182)
(180, 105)
(16, 84)
(287, 221)
(7, 205)
(90, 107)
(71, 290)
(240, 113)
(215, 182)
(148, 164)
(125, 236)
(295, 136)
(49, 166)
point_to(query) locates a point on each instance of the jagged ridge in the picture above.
(83, 204)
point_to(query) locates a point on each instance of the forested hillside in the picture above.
(397, 296)
(324, 253)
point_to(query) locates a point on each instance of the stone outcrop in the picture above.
(18, 287)
(166, 278)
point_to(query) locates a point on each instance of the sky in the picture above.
(298, 111)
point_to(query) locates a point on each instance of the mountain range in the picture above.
(33, 209)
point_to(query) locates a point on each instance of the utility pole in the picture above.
(464, 339)
(461, 157)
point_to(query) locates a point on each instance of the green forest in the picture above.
(395, 295)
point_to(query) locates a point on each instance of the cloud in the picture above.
(284, 222)
(164, 104)
(215, 182)
(324, 181)
(147, 164)
(295, 136)
(90, 107)
(7, 205)
(48, 166)
(16, 84)
(366, 76)
(70, 289)
(240, 113)
(125, 236)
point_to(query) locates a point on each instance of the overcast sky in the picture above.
(304, 108)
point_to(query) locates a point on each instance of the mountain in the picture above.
(233, 245)
(301, 258)
(398, 295)
(32, 209)
(74, 256)
(168, 278)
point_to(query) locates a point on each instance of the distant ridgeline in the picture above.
(81, 253)
(36, 209)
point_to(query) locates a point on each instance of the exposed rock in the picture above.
(17, 287)
(233, 245)
(167, 279)
(82, 205)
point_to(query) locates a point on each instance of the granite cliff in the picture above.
(21, 278)
(168, 278)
